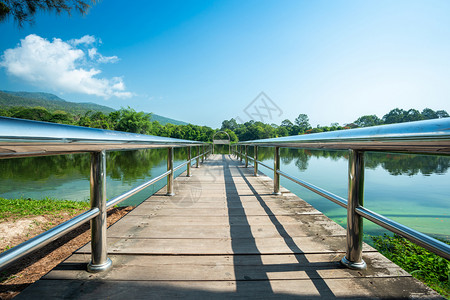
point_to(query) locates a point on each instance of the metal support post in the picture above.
(255, 162)
(240, 153)
(203, 153)
(188, 168)
(198, 153)
(353, 257)
(170, 168)
(246, 156)
(99, 257)
(276, 176)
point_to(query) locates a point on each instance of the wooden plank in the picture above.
(222, 211)
(225, 246)
(137, 226)
(238, 267)
(355, 288)
(233, 220)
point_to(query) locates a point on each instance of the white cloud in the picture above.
(61, 66)
(94, 55)
(87, 40)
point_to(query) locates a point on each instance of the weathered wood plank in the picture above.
(222, 211)
(355, 288)
(138, 226)
(278, 245)
(238, 267)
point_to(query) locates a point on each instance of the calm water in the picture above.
(67, 176)
(411, 189)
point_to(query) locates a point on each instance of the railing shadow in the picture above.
(246, 242)
(311, 269)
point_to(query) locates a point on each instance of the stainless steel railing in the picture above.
(24, 138)
(431, 137)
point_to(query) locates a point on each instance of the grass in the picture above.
(26, 207)
(428, 267)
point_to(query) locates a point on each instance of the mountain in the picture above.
(52, 103)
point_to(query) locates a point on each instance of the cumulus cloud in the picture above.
(87, 39)
(62, 66)
(94, 55)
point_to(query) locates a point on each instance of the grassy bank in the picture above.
(25, 207)
(431, 269)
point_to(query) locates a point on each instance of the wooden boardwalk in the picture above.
(223, 235)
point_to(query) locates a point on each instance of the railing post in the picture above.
(203, 153)
(198, 153)
(188, 168)
(246, 156)
(255, 162)
(240, 152)
(99, 252)
(353, 257)
(276, 176)
(170, 168)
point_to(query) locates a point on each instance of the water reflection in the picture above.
(20, 176)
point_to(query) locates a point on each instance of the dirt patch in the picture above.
(32, 267)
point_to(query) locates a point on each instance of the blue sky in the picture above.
(206, 61)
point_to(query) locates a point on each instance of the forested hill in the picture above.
(53, 103)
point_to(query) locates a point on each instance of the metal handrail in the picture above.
(322, 192)
(431, 137)
(23, 138)
(45, 238)
(20, 138)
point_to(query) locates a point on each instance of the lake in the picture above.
(411, 189)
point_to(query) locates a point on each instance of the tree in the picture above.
(132, 121)
(394, 116)
(231, 124)
(368, 120)
(61, 117)
(442, 114)
(302, 121)
(24, 11)
(286, 123)
(32, 113)
(282, 131)
(428, 114)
